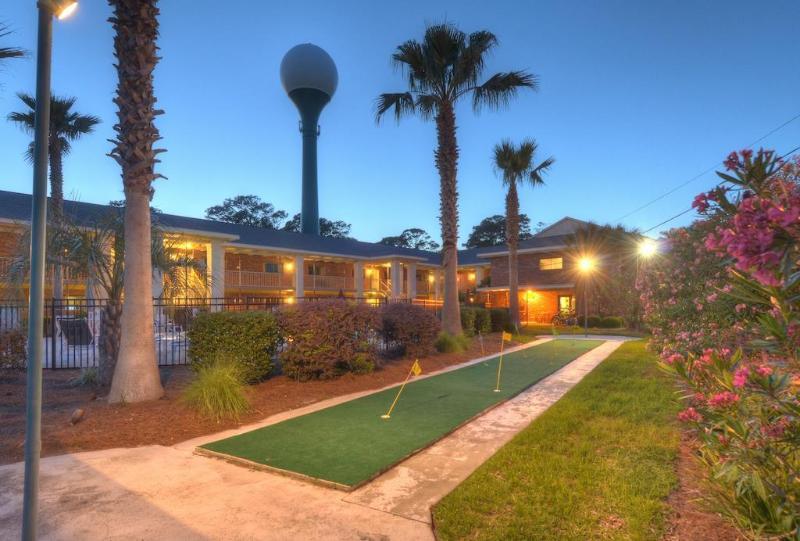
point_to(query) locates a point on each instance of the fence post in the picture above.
(52, 333)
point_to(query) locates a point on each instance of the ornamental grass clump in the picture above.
(724, 305)
(218, 390)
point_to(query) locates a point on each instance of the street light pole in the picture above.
(33, 421)
(586, 305)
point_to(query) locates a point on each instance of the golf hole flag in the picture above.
(505, 336)
(416, 370)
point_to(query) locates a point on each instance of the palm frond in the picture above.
(428, 105)
(500, 88)
(471, 61)
(410, 57)
(536, 175)
(402, 103)
(9, 52)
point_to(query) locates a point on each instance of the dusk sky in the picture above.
(636, 98)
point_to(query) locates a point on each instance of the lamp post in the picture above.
(586, 265)
(309, 76)
(33, 420)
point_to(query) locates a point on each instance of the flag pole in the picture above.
(388, 414)
(500, 364)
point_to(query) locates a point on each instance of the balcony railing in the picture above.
(251, 279)
(335, 283)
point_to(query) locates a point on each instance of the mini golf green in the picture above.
(348, 444)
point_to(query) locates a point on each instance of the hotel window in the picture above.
(271, 267)
(551, 263)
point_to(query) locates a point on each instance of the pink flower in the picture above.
(690, 415)
(723, 399)
(674, 358)
(740, 377)
(740, 308)
(763, 370)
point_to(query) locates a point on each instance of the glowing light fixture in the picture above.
(288, 266)
(471, 277)
(586, 264)
(64, 9)
(648, 248)
(431, 277)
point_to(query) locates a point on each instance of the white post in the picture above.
(215, 270)
(478, 276)
(299, 274)
(358, 275)
(397, 279)
(437, 284)
(411, 269)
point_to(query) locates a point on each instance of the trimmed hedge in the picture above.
(12, 348)
(483, 321)
(468, 320)
(594, 321)
(475, 319)
(325, 339)
(247, 339)
(501, 320)
(411, 327)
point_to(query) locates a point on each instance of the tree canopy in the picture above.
(413, 237)
(247, 210)
(491, 231)
(336, 229)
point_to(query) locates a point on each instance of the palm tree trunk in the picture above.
(56, 208)
(136, 376)
(512, 239)
(447, 164)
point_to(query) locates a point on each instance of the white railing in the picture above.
(236, 278)
(316, 281)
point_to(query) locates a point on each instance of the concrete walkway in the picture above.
(157, 492)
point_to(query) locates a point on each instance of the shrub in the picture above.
(218, 390)
(248, 339)
(448, 343)
(594, 321)
(326, 339)
(611, 322)
(413, 328)
(12, 348)
(483, 321)
(501, 320)
(468, 320)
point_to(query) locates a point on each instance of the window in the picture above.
(271, 267)
(566, 304)
(313, 270)
(551, 263)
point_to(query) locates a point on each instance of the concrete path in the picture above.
(157, 492)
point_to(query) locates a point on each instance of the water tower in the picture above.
(309, 76)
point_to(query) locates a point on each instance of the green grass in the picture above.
(529, 333)
(597, 465)
(349, 443)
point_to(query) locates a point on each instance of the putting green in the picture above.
(349, 444)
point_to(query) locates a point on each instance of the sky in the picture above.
(635, 98)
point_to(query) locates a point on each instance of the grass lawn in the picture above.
(597, 465)
(531, 332)
(349, 443)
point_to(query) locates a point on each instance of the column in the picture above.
(397, 279)
(478, 276)
(437, 284)
(411, 268)
(158, 284)
(299, 274)
(215, 269)
(358, 278)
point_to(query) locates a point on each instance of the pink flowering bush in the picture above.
(724, 306)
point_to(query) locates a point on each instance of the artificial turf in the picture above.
(349, 444)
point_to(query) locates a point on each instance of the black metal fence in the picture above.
(73, 328)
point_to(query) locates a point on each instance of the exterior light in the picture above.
(289, 300)
(471, 277)
(65, 9)
(586, 264)
(289, 266)
(431, 277)
(368, 271)
(648, 248)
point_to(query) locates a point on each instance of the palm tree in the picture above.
(515, 165)
(66, 126)
(443, 68)
(135, 23)
(9, 52)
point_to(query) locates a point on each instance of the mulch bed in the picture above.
(168, 421)
(690, 518)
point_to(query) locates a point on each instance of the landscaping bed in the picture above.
(127, 425)
(348, 444)
(599, 464)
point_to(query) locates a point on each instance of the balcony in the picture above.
(257, 280)
(329, 283)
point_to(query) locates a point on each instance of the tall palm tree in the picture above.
(9, 52)
(443, 68)
(66, 126)
(516, 166)
(135, 23)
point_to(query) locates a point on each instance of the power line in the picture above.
(795, 149)
(679, 186)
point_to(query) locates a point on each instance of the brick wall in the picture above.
(529, 272)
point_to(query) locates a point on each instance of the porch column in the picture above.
(478, 276)
(358, 278)
(397, 279)
(411, 269)
(437, 284)
(215, 270)
(299, 273)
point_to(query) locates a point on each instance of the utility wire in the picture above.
(679, 186)
(795, 149)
